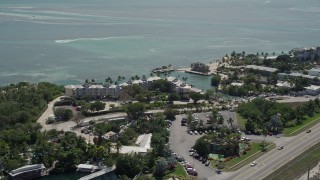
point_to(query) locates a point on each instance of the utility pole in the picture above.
(308, 171)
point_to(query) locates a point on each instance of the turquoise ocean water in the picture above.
(68, 41)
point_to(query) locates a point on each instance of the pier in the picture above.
(103, 171)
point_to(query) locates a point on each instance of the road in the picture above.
(277, 158)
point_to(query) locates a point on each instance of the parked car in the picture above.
(183, 124)
(191, 153)
(195, 132)
(192, 173)
(254, 163)
(191, 150)
(308, 131)
(204, 160)
(200, 158)
(207, 163)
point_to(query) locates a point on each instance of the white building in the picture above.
(102, 91)
(263, 69)
(314, 72)
(144, 145)
(312, 90)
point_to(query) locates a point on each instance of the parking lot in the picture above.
(180, 142)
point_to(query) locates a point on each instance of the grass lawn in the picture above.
(298, 166)
(241, 121)
(179, 171)
(306, 124)
(251, 155)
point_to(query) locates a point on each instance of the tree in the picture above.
(161, 166)
(63, 114)
(202, 147)
(100, 129)
(135, 110)
(275, 124)
(118, 146)
(231, 121)
(195, 97)
(170, 114)
(108, 146)
(215, 80)
(173, 97)
(129, 165)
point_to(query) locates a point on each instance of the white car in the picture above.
(195, 132)
(253, 163)
(191, 153)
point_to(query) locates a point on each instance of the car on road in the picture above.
(308, 131)
(183, 124)
(190, 132)
(191, 153)
(254, 163)
(200, 158)
(195, 132)
(204, 160)
(218, 171)
(280, 147)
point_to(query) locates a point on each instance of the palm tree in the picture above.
(108, 146)
(230, 121)
(118, 146)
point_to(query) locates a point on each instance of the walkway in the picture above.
(103, 171)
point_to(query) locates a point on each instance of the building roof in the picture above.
(143, 141)
(86, 166)
(27, 168)
(315, 70)
(313, 88)
(123, 84)
(283, 84)
(296, 74)
(236, 84)
(261, 68)
(73, 86)
(137, 81)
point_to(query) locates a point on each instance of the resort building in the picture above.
(113, 91)
(307, 54)
(312, 90)
(27, 172)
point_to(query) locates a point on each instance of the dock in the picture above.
(103, 171)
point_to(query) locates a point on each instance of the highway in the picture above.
(274, 159)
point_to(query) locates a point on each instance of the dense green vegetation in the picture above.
(20, 106)
(262, 115)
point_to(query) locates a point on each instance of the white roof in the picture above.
(123, 84)
(236, 84)
(283, 84)
(315, 69)
(85, 166)
(132, 149)
(313, 88)
(73, 86)
(295, 74)
(137, 81)
(144, 140)
(153, 78)
(27, 168)
(261, 68)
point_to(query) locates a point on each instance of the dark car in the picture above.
(308, 131)
(200, 158)
(193, 173)
(195, 155)
(204, 160)
(183, 124)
